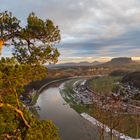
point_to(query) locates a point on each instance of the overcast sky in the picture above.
(90, 29)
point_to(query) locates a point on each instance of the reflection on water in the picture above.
(71, 125)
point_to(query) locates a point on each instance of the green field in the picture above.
(103, 85)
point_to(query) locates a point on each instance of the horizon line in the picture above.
(92, 59)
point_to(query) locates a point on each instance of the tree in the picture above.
(33, 46)
(9, 27)
(37, 40)
(33, 43)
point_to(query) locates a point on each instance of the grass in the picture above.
(67, 95)
(81, 108)
(103, 85)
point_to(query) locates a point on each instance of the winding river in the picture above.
(71, 125)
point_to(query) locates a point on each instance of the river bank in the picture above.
(35, 88)
(78, 107)
(71, 125)
(76, 95)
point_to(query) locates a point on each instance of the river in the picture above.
(71, 125)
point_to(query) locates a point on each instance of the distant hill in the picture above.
(72, 64)
(120, 61)
(113, 62)
(133, 78)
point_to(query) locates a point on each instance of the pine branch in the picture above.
(18, 111)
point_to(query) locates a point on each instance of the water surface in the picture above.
(71, 125)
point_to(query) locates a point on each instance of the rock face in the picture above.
(120, 61)
(133, 78)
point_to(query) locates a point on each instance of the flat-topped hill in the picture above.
(120, 61)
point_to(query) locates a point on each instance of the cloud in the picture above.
(89, 28)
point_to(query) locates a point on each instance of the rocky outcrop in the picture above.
(120, 61)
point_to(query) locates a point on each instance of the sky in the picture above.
(90, 29)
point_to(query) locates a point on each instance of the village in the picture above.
(122, 101)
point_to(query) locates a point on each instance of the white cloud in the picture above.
(88, 27)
